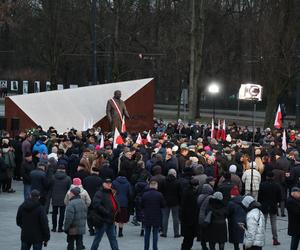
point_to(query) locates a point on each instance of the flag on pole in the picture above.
(149, 139)
(139, 139)
(212, 133)
(102, 141)
(218, 135)
(284, 145)
(123, 125)
(223, 133)
(278, 118)
(117, 139)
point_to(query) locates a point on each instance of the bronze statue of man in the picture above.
(115, 110)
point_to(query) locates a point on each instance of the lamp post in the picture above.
(214, 89)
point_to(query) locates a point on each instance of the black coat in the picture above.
(293, 208)
(152, 204)
(269, 195)
(61, 185)
(236, 214)
(92, 184)
(171, 191)
(225, 188)
(102, 205)
(81, 175)
(216, 231)
(106, 172)
(39, 181)
(26, 169)
(32, 220)
(189, 209)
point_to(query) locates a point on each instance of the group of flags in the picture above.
(220, 132)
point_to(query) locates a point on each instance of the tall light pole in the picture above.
(214, 89)
(94, 41)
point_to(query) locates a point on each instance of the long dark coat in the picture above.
(293, 208)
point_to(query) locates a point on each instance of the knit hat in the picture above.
(75, 190)
(194, 159)
(35, 193)
(217, 196)
(295, 189)
(207, 189)
(235, 191)
(76, 182)
(232, 169)
(172, 172)
(247, 201)
(207, 148)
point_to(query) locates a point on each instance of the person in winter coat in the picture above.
(61, 185)
(92, 184)
(269, 195)
(225, 187)
(32, 219)
(254, 237)
(83, 193)
(40, 146)
(236, 215)
(75, 220)
(123, 195)
(236, 180)
(216, 230)
(189, 211)
(8, 156)
(171, 193)
(202, 202)
(293, 208)
(152, 204)
(40, 181)
(246, 178)
(105, 209)
(26, 167)
(199, 175)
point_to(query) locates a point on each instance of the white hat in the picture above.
(247, 201)
(232, 169)
(175, 148)
(228, 138)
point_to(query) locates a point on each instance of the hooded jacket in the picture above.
(255, 227)
(32, 219)
(61, 185)
(83, 195)
(124, 191)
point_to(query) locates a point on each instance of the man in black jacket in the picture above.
(293, 208)
(269, 195)
(32, 220)
(92, 184)
(26, 168)
(105, 208)
(40, 182)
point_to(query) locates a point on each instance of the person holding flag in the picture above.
(116, 112)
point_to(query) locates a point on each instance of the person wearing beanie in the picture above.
(60, 186)
(75, 219)
(236, 215)
(225, 187)
(293, 208)
(235, 179)
(33, 221)
(200, 176)
(83, 193)
(254, 229)
(269, 196)
(248, 181)
(26, 167)
(216, 231)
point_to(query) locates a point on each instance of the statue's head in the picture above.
(117, 94)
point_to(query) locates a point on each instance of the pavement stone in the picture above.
(10, 232)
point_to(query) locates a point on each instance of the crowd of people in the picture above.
(216, 190)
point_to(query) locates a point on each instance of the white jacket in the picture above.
(83, 195)
(255, 231)
(246, 178)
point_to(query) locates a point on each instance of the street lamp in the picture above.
(213, 89)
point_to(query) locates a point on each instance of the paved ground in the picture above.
(10, 233)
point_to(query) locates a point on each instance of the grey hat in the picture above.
(207, 189)
(75, 190)
(217, 196)
(295, 189)
(35, 193)
(247, 200)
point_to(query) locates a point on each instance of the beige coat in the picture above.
(83, 194)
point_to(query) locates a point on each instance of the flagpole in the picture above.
(253, 141)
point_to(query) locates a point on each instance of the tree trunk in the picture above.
(196, 47)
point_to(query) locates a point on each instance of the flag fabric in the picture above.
(223, 133)
(212, 133)
(102, 141)
(149, 139)
(284, 145)
(123, 125)
(117, 139)
(139, 139)
(218, 135)
(278, 118)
